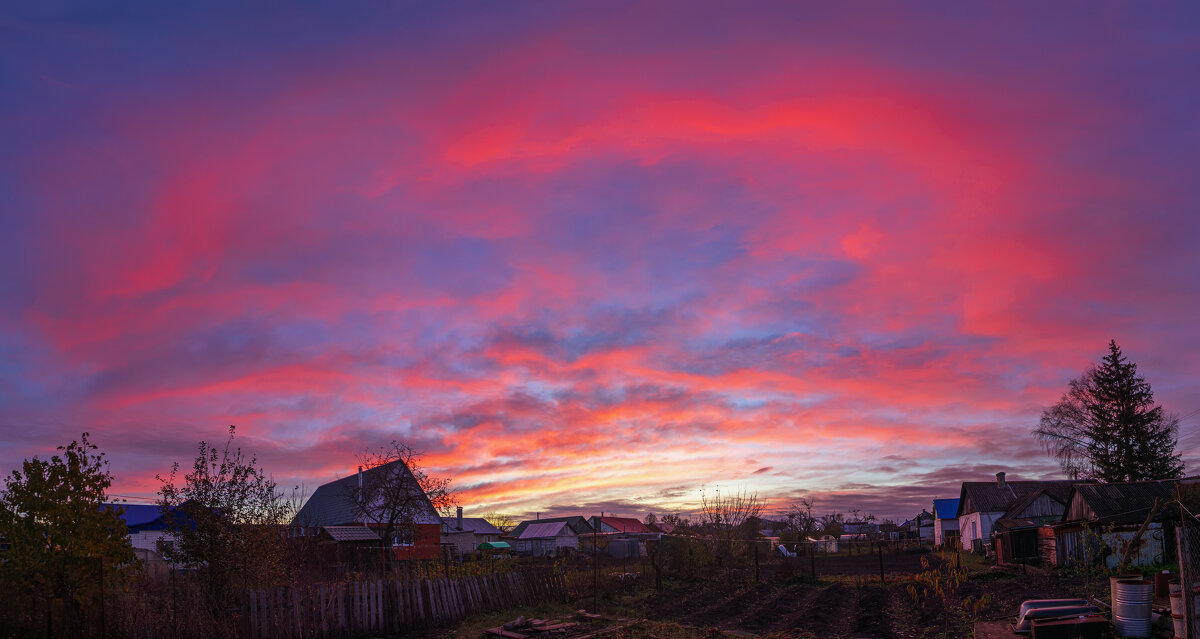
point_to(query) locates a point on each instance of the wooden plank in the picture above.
(440, 593)
(276, 613)
(252, 614)
(479, 606)
(378, 591)
(405, 606)
(558, 626)
(264, 615)
(401, 607)
(296, 612)
(319, 618)
(507, 634)
(360, 602)
(419, 608)
(341, 609)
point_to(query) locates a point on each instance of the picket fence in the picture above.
(363, 607)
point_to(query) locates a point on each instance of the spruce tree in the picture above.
(1107, 426)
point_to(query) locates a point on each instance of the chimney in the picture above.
(1000, 479)
(360, 478)
(460, 517)
(537, 516)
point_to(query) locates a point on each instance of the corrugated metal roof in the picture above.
(1127, 502)
(945, 508)
(577, 524)
(625, 524)
(542, 530)
(351, 533)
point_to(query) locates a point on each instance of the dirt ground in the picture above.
(851, 607)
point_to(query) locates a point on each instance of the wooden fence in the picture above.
(365, 607)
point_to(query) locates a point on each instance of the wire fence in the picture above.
(1184, 606)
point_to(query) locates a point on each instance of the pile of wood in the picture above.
(522, 628)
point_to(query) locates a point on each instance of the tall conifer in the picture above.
(1107, 426)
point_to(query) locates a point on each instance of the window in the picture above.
(405, 536)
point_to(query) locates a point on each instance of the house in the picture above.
(824, 543)
(607, 524)
(945, 521)
(859, 529)
(417, 531)
(465, 534)
(546, 538)
(576, 523)
(1100, 521)
(148, 525)
(1015, 534)
(919, 527)
(924, 525)
(981, 504)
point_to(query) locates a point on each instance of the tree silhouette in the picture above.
(1107, 426)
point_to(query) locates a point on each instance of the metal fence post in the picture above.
(882, 578)
(1186, 578)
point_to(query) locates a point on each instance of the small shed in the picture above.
(1015, 535)
(547, 539)
(1113, 513)
(824, 543)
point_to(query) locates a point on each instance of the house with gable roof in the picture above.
(416, 536)
(607, 524)
(546, 538)
(945, 521)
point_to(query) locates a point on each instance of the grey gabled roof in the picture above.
(577, 523)
(333, 504)
(477, 525)
(990, 496)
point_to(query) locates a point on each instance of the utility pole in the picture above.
(596, 568)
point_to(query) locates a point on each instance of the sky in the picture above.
(594, 256)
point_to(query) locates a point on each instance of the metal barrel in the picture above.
(1131, 612)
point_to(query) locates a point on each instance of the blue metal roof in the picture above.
(945, 508)
(140, 517)
(136, 515)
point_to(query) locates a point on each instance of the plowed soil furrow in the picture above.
(871, 617)
(724, 611)
(794, 615)
(769, 612)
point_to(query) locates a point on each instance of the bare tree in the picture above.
(396, 493)
(800, 519)
(728, 512)
(502, 521)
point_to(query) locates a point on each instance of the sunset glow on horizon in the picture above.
(594, 256)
